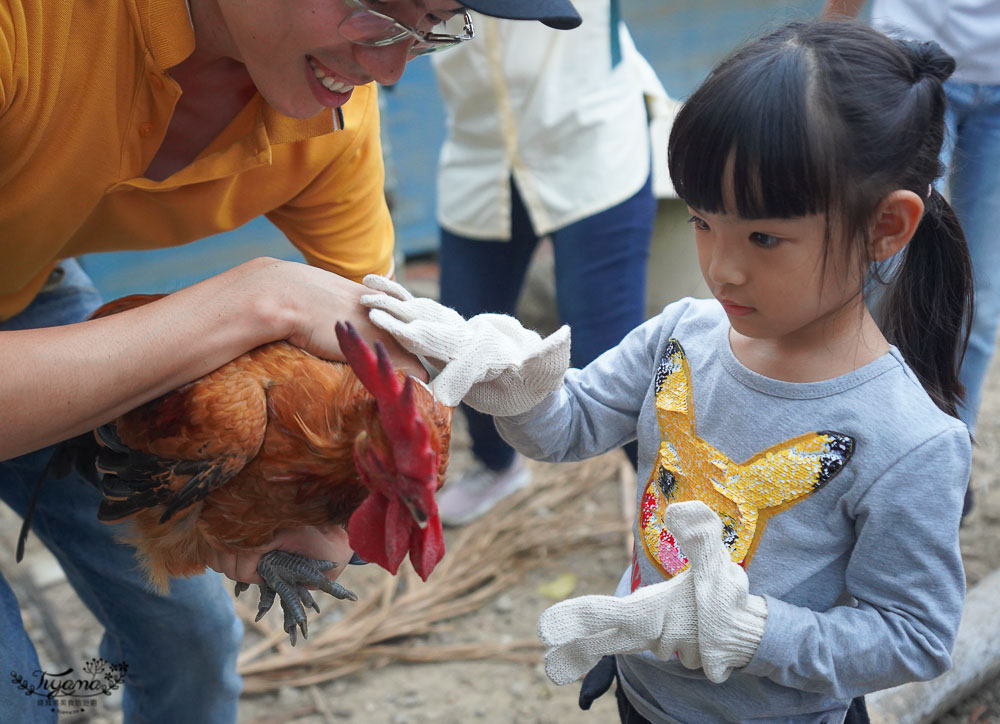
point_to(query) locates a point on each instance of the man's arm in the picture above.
(840, 8)
(60, 381)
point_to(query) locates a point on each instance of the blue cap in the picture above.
(558, 14)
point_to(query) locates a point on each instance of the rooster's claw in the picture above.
(287, 575)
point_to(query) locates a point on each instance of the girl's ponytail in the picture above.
(926, 310)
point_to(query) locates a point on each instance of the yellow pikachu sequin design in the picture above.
(745, 495)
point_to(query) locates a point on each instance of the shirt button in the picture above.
(156, 81)
(145, 129)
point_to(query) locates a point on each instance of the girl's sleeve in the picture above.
(906, 574)
(597, 408)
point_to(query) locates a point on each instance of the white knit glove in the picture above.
(705, 614)
(490, 361)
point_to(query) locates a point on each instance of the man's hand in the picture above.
(833, 9)
(307, 302)
(319, 544)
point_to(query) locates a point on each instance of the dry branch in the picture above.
(483, 560)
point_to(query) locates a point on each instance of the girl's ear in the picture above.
(896, 219)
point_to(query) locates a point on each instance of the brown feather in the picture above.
(268, 440)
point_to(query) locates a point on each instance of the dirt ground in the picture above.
(488, 691)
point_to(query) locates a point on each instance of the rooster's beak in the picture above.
(419, 514)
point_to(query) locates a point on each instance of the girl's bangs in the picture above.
(754, 115)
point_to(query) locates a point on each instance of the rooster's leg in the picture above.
(287, 575)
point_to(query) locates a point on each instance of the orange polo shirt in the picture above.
(85, 100)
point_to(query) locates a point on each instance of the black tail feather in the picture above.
(115, 510)
(75, 455)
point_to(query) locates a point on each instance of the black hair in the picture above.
(828, 117)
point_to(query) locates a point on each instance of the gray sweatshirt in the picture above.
(842, 499)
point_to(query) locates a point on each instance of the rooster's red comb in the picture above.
(398, 414)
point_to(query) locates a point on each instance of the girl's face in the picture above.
(288, 48)
(770, 276)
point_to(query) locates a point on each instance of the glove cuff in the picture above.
(746, 632)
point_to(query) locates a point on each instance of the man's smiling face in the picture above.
(299, 60)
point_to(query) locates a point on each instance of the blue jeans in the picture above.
(600, 269)
(972, 155)
(180, 648)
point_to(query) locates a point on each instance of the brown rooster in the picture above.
(278, 439)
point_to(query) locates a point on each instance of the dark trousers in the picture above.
(180, 647)
(599, 679)
(857, 714)
(600, 269)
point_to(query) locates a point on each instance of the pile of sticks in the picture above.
(483, 560)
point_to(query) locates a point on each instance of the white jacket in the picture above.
(554, 110)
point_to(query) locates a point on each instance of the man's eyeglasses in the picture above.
(365, 26)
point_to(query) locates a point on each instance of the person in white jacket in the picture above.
(548, 135)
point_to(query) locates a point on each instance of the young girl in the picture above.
(802, 467)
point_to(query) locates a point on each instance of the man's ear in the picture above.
(896, 219)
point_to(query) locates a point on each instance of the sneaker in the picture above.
(478, 489)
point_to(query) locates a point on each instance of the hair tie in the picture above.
(928, 60)
(930, 190)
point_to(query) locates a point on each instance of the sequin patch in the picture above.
(745, 495)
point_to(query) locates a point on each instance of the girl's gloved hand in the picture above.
(490, 362)
(705, 614)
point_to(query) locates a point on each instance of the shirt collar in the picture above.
(283, 129)
(167, 30)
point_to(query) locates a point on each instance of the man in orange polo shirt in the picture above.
(134, 124)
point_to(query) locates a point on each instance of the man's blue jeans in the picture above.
(972, 156)
(600, 269)
(180, 648)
